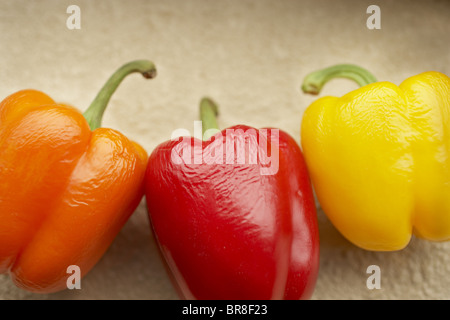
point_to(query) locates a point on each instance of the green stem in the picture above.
(208, 116)
(314, 82)
(94, 113)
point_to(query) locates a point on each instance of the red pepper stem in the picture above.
(208, 116)
(314, 82)
(94, 113)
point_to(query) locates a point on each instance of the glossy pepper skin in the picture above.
(379, 157)
(65, 190)
(226, 230)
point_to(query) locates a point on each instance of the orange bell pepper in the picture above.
(67, 186)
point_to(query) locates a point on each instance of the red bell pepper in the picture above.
(230, 227)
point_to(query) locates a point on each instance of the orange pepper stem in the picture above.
(208, 116)
(314, 82)
(94, 113)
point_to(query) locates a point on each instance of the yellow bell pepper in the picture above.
(379, 157)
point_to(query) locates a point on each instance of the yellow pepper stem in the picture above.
(314, 82)
(94, 113)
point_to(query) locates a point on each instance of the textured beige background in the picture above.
(251, 57)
